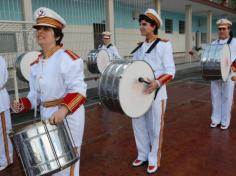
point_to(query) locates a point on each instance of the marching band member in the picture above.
(6, 149)
(148, 129)
(56, 81)
(107, 45)
(222, 92)
(233, 70)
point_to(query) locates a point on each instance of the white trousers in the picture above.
(76, 124)
(148, 132)
(6, 149)
(222, 98)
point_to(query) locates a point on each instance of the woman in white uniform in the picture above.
(6, 149)
(56, 81)
(222, 92)
(148, 129)
(108, 46)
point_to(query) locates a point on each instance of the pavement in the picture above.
(190, 147)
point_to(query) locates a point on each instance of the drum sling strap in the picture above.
(147, 52)
(139, 46)
(229, 41)
(109, 45)
(99, 46)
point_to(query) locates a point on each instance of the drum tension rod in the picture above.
(140, 79)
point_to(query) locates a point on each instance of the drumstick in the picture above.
(140, 79)
(16, 86)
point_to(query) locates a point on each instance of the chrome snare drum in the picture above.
(44, 149)
(216, 62)
(23, 64)
(98, 59)
(120, 89)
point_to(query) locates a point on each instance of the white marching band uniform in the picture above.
(6, 149)
(57, 79)
(148, 129)
(222, 91)
(111, 49)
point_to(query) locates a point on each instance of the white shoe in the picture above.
(137, 163)
(223, 127)
(152, 169)
(214, 125)
(3, 167)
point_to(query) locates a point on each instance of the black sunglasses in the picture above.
(45, 28)
(222, 29)
(143, 24)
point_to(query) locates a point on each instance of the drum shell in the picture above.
(113, 83)
(34, 146)
(109, 85)
(211, 61)
(18, 68)
(92, 61)
(23, 64)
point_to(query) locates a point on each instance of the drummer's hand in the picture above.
(151, 87)
(233, 78)
(58, 116)
(16, 106)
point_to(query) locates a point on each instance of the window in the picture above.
(203, 37)
(181, 27)
(7, 42)
(169, 26)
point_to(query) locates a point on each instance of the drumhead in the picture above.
(23, 64)
(102, 60)
(225, 62)
(131, 92)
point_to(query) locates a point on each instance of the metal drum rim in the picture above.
(38, 123)
(62, 168)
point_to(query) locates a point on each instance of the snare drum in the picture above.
(44, 149)
(98, 59)
(120, 89)
(216, 62)
(23, 64)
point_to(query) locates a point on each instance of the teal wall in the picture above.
(10, 10)
(234, 29)
(87, 12)
(123, 19)
(76, 11)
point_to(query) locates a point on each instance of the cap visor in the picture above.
(43, 24)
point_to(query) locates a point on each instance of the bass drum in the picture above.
(23, 64)
(98, 59)
(216, 62)
(120, 89)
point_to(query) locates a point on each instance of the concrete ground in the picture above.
(190, 148)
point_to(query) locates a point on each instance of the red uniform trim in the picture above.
(165, 78)
(73, 101)
(233, 66)
(72, 54)
(37, 60)
(26, 104)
